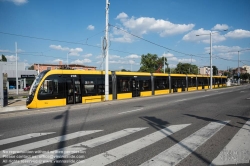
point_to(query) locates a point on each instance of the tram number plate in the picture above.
(73, 75)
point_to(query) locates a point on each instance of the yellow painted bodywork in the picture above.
(93, 99)
(146, 93)
(50, 103)
(161, 92)
(192, 88)
(99, 98)
(132, 73)
(179, 90)
(199, 87)
(124, 96)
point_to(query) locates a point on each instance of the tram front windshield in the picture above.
(36, 82)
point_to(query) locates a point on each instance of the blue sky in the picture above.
(46, 31)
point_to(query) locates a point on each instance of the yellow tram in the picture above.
(53, 88)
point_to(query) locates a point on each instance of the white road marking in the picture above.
(76, 148)
(205, 95)
(124, 150)
(181, 150)
(130, 111)
(237, 151)
(180, 100)
(38, 144)
(23, 137)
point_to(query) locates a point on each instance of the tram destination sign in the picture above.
(27, 76)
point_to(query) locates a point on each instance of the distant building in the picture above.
(25, 77)
(247, 68)
(204, 70)
(42, 67)
(241, 71)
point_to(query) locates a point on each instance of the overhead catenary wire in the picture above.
(126, 52)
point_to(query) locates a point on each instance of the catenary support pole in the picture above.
(16, 71)
(107, 53)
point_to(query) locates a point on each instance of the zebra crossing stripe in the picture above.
(23, 137)
(237, 151)
(181, 150)
(77, 148)
(38, 144)
(124, 150)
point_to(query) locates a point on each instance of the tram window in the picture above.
(144, 83)
(123, 84)
(47, 87)
(161, 83)
(191, 81)
(52, 86)
(100, 86)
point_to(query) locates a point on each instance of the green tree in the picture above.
(124, 70)
(244, 76)
(152, 63)
(31, 67)
(186, 68)
(215, 70)
(228, 74)
(4, 59)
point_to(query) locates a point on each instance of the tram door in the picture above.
(74, 91)
(135, 88)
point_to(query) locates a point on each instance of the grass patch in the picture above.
(11, 98)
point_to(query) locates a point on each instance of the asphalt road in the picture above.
(193, 128)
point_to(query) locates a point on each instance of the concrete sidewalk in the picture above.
(14, 105)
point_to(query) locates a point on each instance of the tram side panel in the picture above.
(129, 86)
(161, 85)
(93, 88)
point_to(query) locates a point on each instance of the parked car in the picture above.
(12, 87)
(26, 88)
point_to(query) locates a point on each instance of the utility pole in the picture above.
(164, 61)
(16, 72)
(211, 67)
(107, 53)
(238, 67)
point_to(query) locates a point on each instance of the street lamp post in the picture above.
(211, 67)
(211, 55)
(68, 59)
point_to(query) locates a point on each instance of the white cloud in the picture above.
(87, 55)
(71, 51)
(168, 55)
(204, 36)
(11, 58)
(57, 61)
(133, 56)
(75, 51)
(224, 51)
(3, 51)
(131, 62)
(90, 27)
(220, 27)
(81, 62)
(59, 47)
(122, 16)
(238, 33)
(18, 2)
(187, 60)
(124, 37)
(145, 25)
(114, 57)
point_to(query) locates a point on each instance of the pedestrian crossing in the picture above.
(171, 156)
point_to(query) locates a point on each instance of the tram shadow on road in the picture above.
(160, 124)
